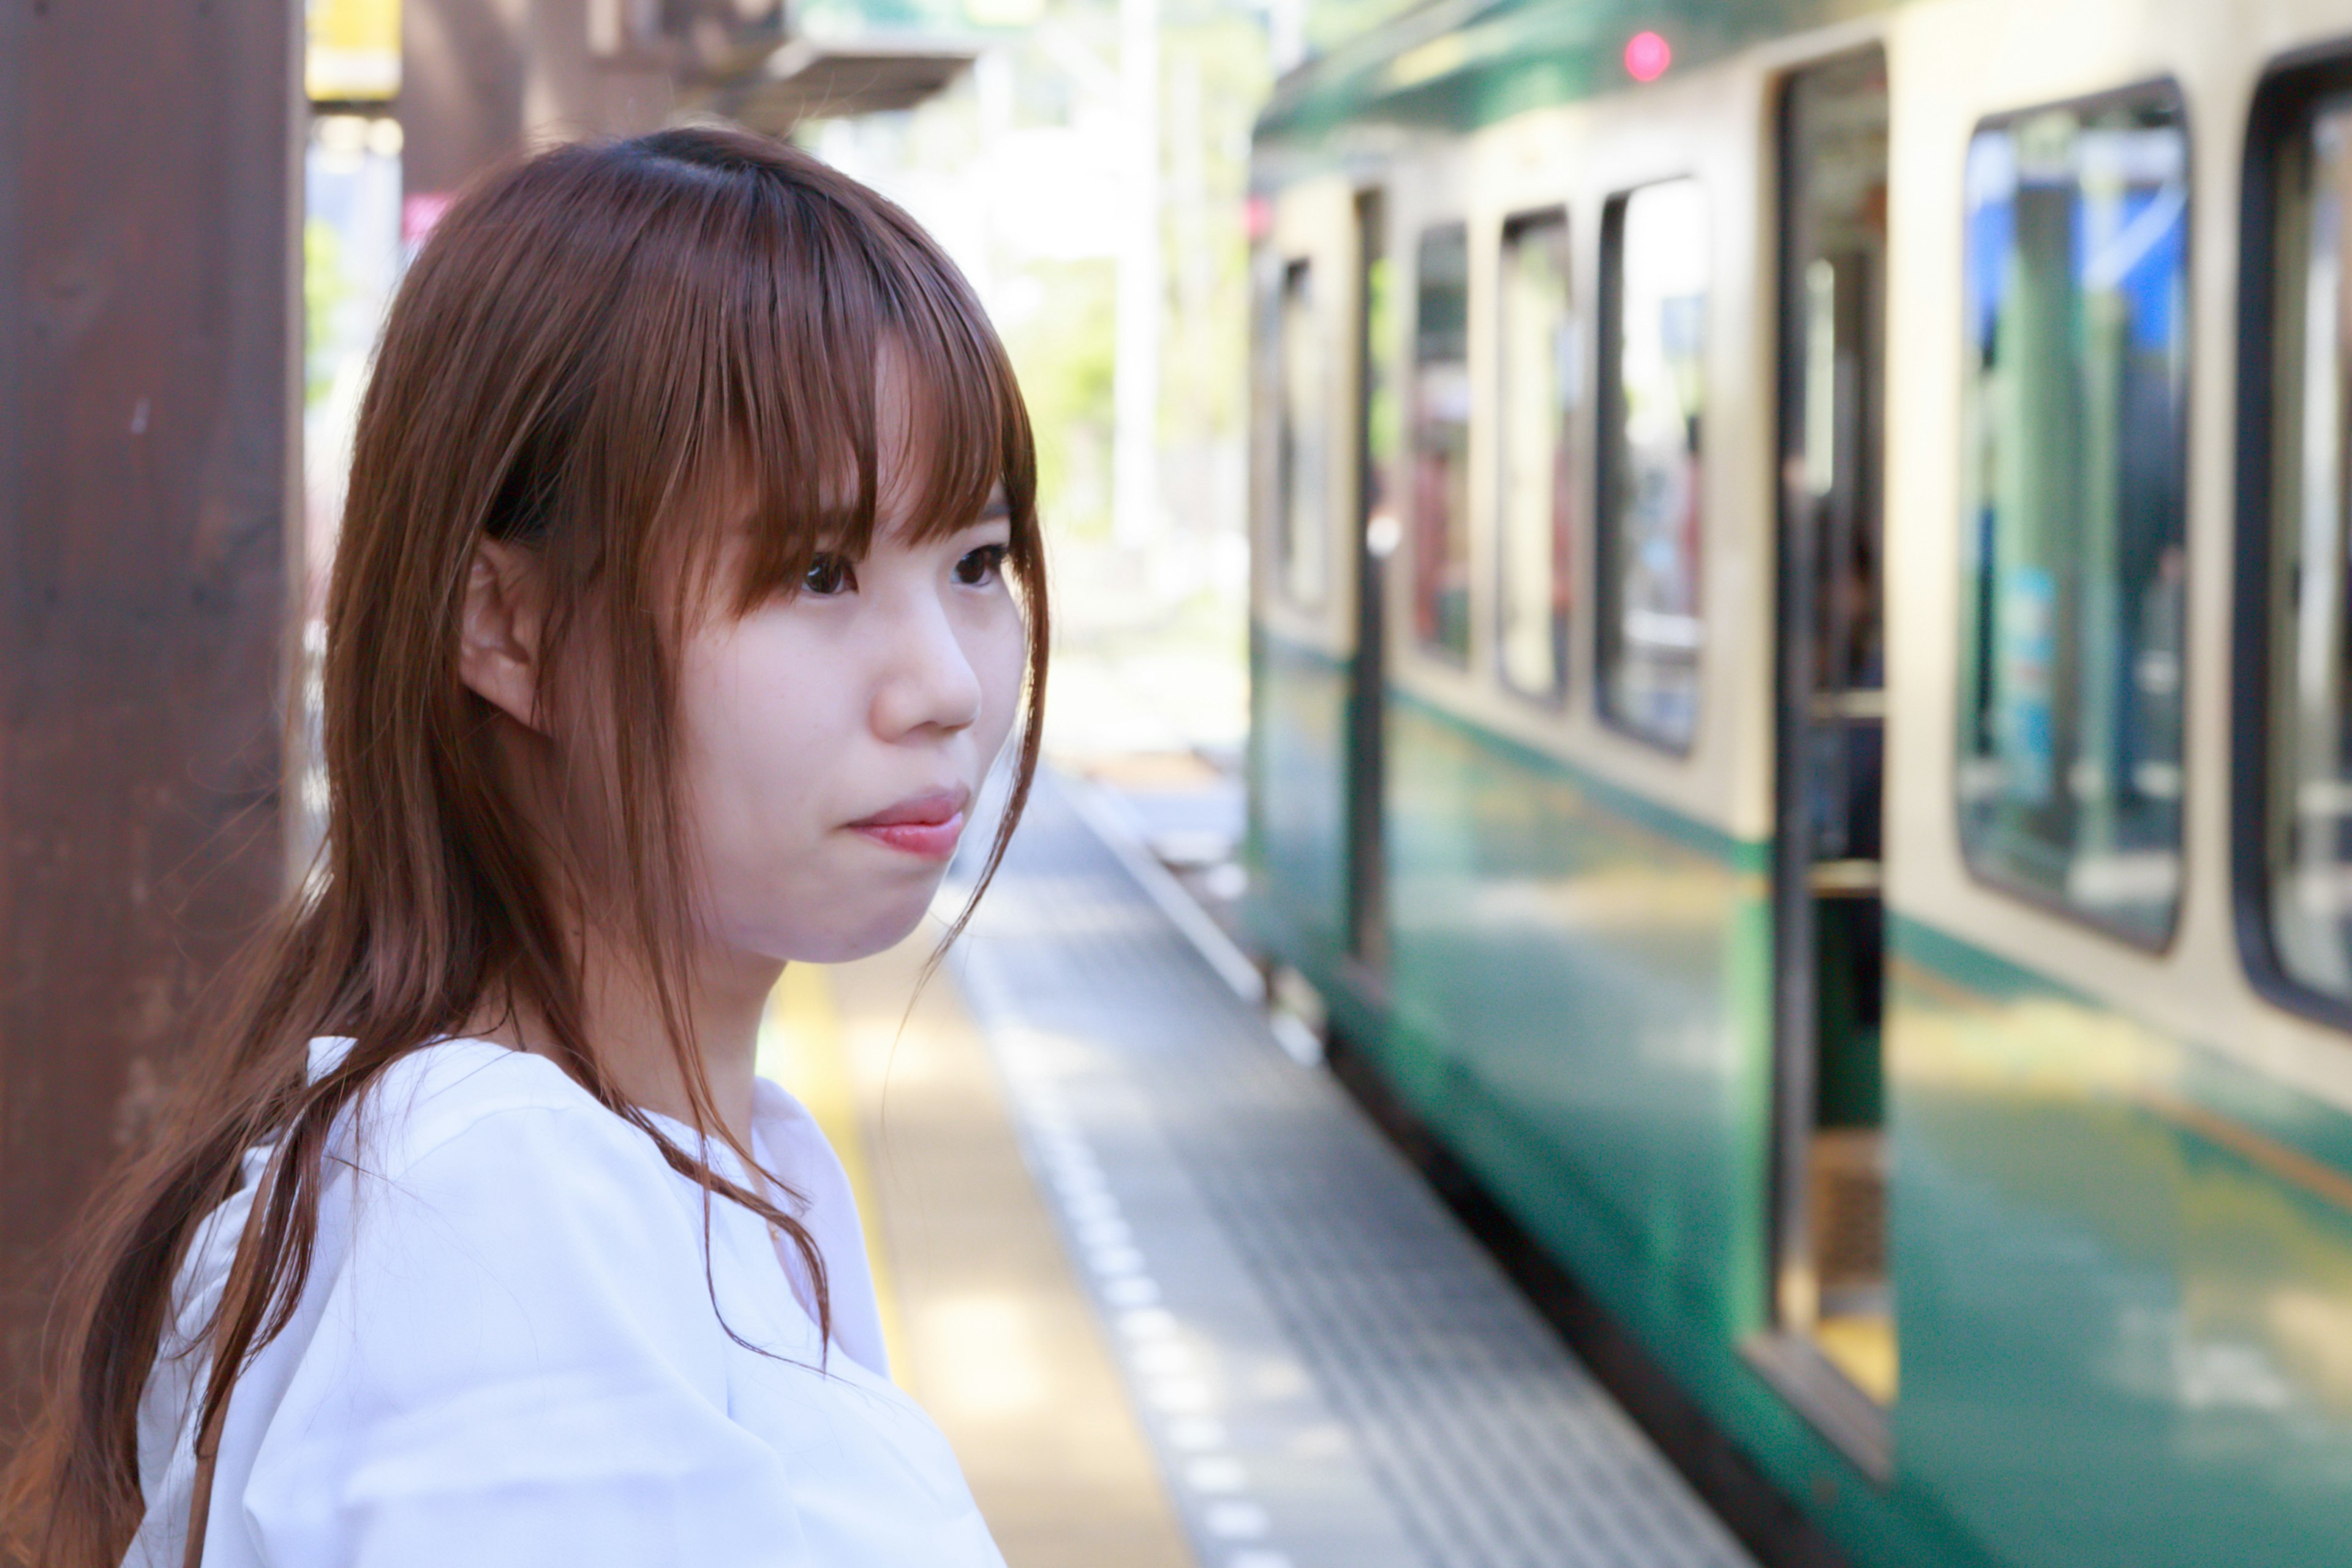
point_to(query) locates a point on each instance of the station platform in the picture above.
(1167, 1291)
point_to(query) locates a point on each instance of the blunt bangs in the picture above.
(782, 317)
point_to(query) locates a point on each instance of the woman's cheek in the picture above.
(750, 740)
(1007, 662)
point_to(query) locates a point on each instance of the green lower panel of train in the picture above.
(2120, 1266)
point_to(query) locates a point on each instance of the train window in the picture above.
(1537, 350)
(1654, 281)
(2308, 820)
(1302, 530)
(2069, 778)
(1441, 442)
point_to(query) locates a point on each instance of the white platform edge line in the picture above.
(1231, 965)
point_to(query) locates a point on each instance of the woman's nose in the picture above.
(929, 681)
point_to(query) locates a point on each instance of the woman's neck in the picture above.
(722, 1002)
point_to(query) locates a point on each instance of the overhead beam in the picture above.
(822, 78)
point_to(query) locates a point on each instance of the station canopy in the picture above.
(829, 78)
(828, 59)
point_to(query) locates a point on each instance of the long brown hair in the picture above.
(601, 356)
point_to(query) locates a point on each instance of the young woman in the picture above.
(689, 583)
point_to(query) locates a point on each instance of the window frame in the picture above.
(1514, 226)
(1991, 878)
(2292, 88)
(1607, 419)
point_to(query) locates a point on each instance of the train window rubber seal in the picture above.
(2167, 88)
(2292, 88)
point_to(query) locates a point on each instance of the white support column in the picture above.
(1135, 440)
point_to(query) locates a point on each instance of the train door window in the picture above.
(1833, 1302)
(1654, 285)
(1538, 354)
(1302, 522)
(2076, 407)
(2306, 822)
(1441, 442)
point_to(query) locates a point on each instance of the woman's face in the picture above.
(833, 741)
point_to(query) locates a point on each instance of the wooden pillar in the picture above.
(148, 390)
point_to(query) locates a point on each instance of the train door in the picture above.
(1835, 1348)
(1376, 534)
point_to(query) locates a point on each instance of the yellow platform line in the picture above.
(800, 1047)
(1008, 1352)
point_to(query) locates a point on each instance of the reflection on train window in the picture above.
(1537, 345)
(1441, 442)
(1301, 518)
(2309, 823)
(1654, 387)
(2077, 262)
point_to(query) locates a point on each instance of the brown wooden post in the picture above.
(148, 328)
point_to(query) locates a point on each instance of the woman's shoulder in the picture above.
(475, 1169)
(461, 1100)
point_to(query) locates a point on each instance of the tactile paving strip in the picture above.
(1336, 1374)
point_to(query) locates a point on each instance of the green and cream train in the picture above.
(1802, 637)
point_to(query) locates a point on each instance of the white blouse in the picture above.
(510, 1351)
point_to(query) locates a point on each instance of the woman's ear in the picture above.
(499, 630)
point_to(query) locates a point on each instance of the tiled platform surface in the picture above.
(1334, 1373)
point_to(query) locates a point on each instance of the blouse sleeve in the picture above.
(518, 1363)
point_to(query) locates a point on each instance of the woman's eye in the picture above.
(977, 568)
(830, 575)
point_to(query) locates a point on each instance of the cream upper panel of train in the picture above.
(2137, 904)
(1659, 679)
(1685, 168)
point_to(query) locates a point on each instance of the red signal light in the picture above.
(1647, 56)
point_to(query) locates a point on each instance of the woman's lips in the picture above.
(926, 825)
(931, 840)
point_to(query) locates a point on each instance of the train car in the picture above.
(1802, 633)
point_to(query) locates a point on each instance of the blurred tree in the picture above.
(1330, 23)
(1218, 73)
(1063, 352)
(327, 288)
(1025, 170)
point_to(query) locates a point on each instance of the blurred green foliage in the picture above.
(1064, 353)
(1214, 74)
(327, 288)
(1330, 23)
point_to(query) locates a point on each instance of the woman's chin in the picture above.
(849, 935)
